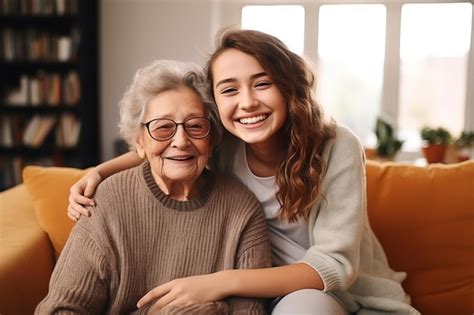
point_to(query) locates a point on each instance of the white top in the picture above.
(289, 241)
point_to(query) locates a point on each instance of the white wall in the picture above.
(135, 32)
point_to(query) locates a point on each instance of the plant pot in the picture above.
(371, 154)
(434, 153)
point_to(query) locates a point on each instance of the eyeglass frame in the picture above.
(147, 126)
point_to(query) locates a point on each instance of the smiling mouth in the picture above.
(253, 120)
(180, 158)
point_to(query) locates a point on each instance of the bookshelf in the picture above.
(49, 113)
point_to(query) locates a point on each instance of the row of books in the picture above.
(15, 131)
(45, 88)
(39, 7)
(34, 45)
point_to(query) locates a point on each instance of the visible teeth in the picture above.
(180, 158)
(252, 120)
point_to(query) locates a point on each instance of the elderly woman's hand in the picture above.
(186, 291)
(80, 194)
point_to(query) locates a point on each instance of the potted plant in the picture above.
(387, 144)
(464, 145)
(436, 143)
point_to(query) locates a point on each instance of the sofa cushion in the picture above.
(26, 255)
(49, 189)
(424, 218)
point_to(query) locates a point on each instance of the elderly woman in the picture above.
(168, 218)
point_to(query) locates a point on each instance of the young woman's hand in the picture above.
(185, 291)
(80, 194)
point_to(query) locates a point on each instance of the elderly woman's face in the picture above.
(179, 160)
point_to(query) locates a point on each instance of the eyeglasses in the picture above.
(162, 129)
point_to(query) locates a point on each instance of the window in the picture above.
(434, 55)
(409, 62)
(268, 19)
(351, 47)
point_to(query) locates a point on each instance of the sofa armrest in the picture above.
(26, 255)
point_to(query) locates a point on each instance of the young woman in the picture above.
(309, 176)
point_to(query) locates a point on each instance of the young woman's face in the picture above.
(181, 159)
(250, 105)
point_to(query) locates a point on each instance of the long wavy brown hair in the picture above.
(300, 170)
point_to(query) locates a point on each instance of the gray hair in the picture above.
(158, 77)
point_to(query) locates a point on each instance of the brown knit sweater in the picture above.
(138, 238)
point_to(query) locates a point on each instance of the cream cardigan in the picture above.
(343, 248)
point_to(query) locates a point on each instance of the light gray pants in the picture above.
(306, 302)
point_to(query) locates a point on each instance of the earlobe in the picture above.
(140, 153)
(139, 147)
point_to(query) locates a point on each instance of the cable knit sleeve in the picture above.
(253, 252)
(81, 280)
(336, 222)
(78, 284)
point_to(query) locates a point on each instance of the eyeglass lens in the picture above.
(164, 129)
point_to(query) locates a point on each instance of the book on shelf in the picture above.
(30, 129)
(71, 88)
(61, 7)
(47, 124)
(11, 130)
(43, 86)
(37, 130)
(64, 48)
(6, 133)
(7, 44)
(68, 131)
(18, 96)
(35, 91)
(54, 91)
(17, 127)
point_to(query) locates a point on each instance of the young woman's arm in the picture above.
(271, 282)
(80, 194)
(266, 282)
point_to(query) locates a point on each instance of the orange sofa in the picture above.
(423, 216)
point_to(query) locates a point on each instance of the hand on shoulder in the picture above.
(80, 194)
